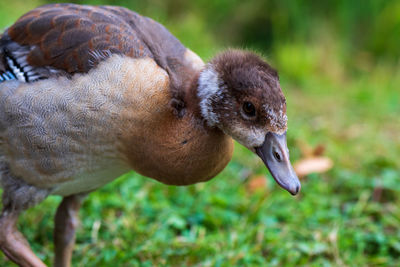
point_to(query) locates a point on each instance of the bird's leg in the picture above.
(66, 221)
(12, 242)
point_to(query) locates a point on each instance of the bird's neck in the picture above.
(200, 93)
(192, 101)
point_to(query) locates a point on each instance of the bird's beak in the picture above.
(275, 154)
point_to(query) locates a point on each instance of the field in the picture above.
(342, 84)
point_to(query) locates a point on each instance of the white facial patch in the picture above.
(249, 137)
(208, 92)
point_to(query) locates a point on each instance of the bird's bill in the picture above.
(275, 154)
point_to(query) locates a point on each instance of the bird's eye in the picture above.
(249, 109)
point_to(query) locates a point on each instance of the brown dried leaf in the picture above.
(306, 166)
(256, 183)
(307, 151)
(319, 150)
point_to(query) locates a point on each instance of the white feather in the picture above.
(18, 73)
(208, 92)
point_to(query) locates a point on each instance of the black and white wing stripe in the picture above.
(6, 76)
(14, 68)
(14, 64)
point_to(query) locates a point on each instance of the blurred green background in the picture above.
(340, 71)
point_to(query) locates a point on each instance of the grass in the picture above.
(349, 216)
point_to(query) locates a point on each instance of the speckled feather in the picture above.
(92, 128)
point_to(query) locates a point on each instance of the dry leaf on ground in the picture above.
(306, 166)
(257, 182)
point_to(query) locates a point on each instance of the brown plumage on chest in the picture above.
(175, 150)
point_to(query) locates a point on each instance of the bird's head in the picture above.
(240, 94)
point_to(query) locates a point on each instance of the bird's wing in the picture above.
(64, 39)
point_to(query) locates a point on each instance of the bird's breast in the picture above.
(177, 151)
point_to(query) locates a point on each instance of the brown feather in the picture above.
(65, 39)
(63, 36)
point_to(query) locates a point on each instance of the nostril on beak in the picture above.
(277, 156)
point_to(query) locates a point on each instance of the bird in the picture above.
(88, 93)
